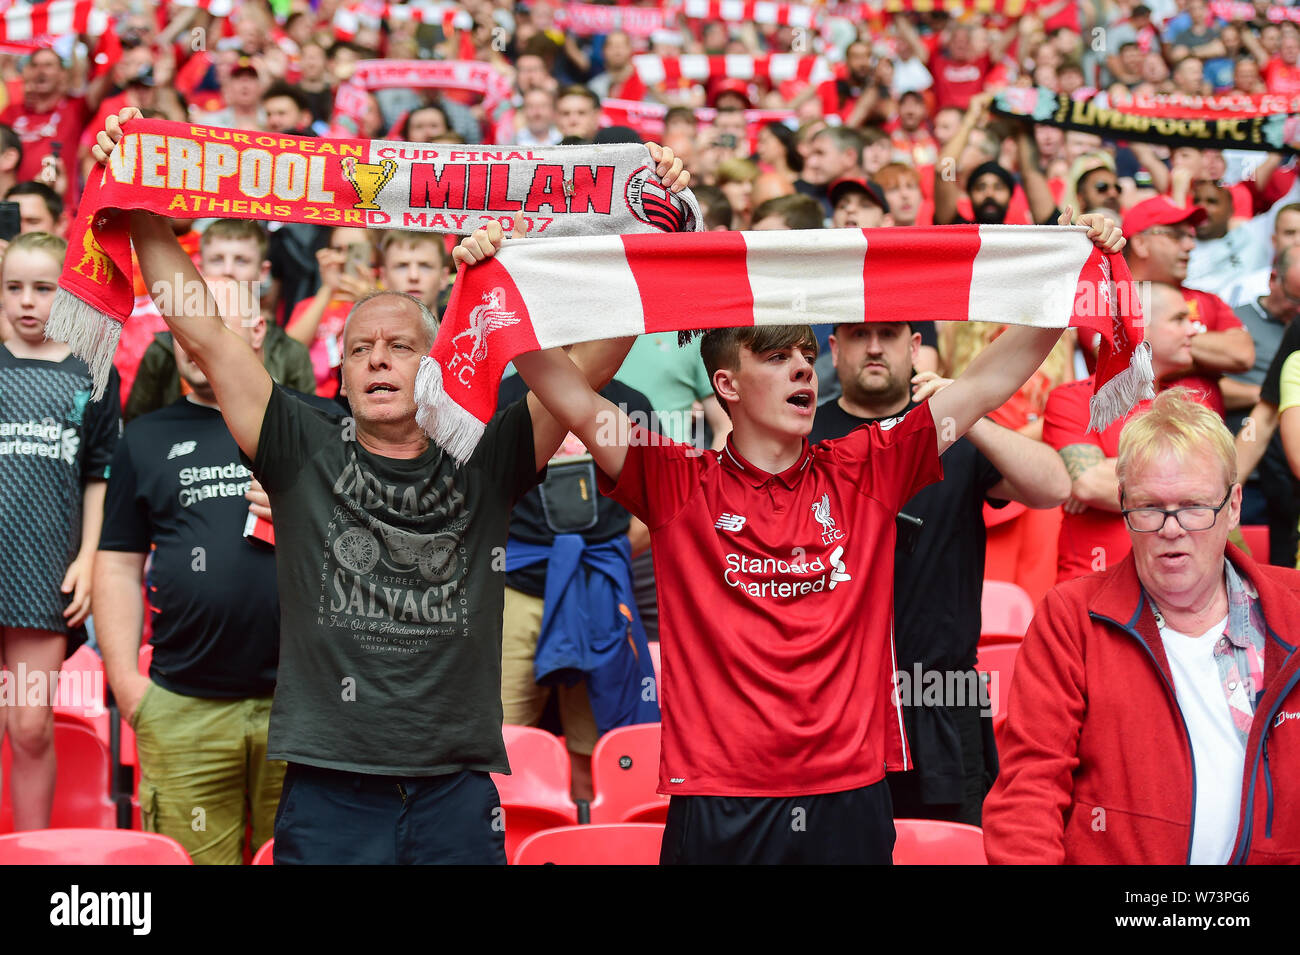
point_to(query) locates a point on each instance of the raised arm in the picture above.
(119, 621)
(562, 389)
(597, 361)
(1041, 202)
(999, 370)
(238, 378)
(946, 171)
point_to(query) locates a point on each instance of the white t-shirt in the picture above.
(1217, 750)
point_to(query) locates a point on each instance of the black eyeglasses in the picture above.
(1105, 187)
(1198, 517)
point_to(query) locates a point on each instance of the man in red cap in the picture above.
(1161, 238)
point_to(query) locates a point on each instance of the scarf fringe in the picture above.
(447, 424)
(1116, 397)
(93, 335)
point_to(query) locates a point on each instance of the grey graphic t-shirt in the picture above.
(391, 592)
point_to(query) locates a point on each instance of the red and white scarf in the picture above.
(471, 76)
(592, 19)
(541, 293)
(762, 12)
(774, 68)
(26, 22)
(352, 17)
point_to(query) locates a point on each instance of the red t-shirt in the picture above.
(776, 607)
(38, 131)
(1282, 78)
(1214, 313)
(955, 83)
(1094, 540)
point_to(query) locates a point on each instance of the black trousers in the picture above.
(327, 817)
(845, 828)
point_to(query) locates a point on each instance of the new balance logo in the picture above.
(678, 779)
(729, 522)
(180, 448)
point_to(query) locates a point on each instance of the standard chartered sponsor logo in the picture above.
(774, 577)
(220, 480)
(46, 439)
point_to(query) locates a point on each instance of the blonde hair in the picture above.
(736, 170)
(51, 245)
(1179, 424)
(1082, 166)
(960, 342)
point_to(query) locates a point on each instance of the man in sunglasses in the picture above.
(1155, 712)
(1162, 236)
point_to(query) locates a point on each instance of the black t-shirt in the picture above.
(391, 594)
(177, 487)
(938, 582)
(567, 502)
(1271, 389)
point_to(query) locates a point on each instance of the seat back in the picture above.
(629, 843)
(537, 794)
(934, 842)
(625, 775)
(91, 847)
(266, 854)
(81, 791)
(999, 662)
(1005, 608)
(1256, 538)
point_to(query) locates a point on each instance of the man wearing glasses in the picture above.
(1161, 238)
(1092, 536)
(1155, 712)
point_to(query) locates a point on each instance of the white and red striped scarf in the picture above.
(352, 17)
(470, 76)
(592, 19)
(25, 23)
(775, 68)
(1232, 11)
(860, 11)
(541, 293)
(763, 12)
(216, 8)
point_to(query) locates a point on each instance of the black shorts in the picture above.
(327, 817)
(846, 828)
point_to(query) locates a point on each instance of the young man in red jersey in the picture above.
(775, 566)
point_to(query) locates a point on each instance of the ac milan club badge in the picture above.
(651, 203)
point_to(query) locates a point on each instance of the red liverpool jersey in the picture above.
(776, 596)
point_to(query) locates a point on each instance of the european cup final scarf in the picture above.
(541, 293)
(189, 171)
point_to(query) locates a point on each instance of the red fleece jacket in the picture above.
(1096, 758)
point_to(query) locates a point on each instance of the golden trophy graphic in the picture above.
(368, 179)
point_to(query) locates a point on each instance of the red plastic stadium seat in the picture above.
(625, 774)
(1005, 608)
(82, 689)
(999, 661)
(1256, 537)
(628, 843)
(81, 799)
(932, 842)
(536, 795)
(91, 847)
(266, 854)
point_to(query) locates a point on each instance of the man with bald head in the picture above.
(390, 558)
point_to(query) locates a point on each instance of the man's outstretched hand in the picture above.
(111, 134)
(1105, 234)
(487, 241)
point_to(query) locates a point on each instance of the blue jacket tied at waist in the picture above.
(590, 627)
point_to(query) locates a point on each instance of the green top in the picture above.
(673, 378)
